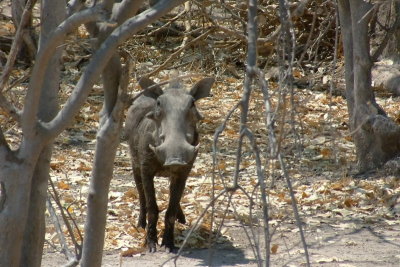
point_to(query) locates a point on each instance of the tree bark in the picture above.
(15, 177)
(347, 36)
(16, 172)
(112, 72)
(17, 167)
(114, 81)
(376, 137)
(107, 144)
(52, 14)
(107, 140)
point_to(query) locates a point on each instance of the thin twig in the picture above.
(261, 182)
(194, 227)
(58, 228)
(316, 44)
(331, 88)
(283, 168)
(314, 19)
(188, 24)
(78, 247)
(217, 234)
(254, 247)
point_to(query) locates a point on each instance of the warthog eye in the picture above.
(158, 109)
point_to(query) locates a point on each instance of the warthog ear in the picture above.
(202, 88)
(151, 88)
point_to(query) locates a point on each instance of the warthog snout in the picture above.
(174, 156)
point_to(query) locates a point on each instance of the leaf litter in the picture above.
(324, 190)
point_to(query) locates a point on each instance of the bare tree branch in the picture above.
(100, 59)
(124, 10)
(74, 6)
(286, 80)
(29, 116)
(377, 53)
(16, 43)
(108, 140)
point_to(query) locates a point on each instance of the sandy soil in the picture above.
(334, 243)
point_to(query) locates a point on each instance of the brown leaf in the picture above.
(131, 193)
(348, 202)
(304, 195)
(274, 248)
(326, 152)
(63, 185)
(132, 251)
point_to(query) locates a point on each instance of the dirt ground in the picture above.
(348, 220)
(329, 244)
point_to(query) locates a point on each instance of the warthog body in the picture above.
(163, 139)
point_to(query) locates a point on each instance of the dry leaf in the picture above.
(274, 248)
(63, 185)
(132, 251)
(326, 152)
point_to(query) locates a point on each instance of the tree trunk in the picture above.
(97, 202)
(107, 143)
(347, 36)
(17, 167)
(376, 137)
(52, 14)
(108, 137)
(106, 147)
(33, 240)
(15, 180)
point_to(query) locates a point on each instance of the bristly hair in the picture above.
(176, 81)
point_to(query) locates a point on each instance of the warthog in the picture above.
(164, 141)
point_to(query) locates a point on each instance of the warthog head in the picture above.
(176, 116)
